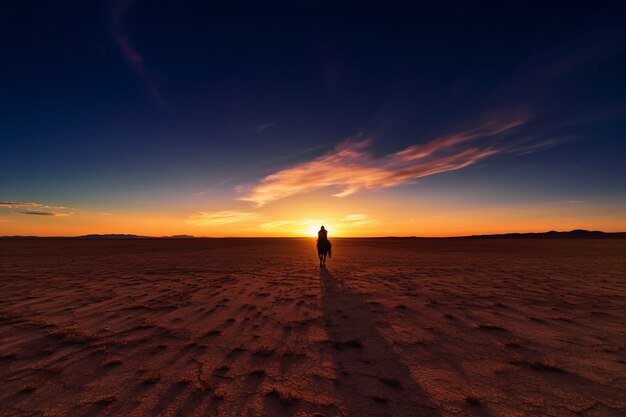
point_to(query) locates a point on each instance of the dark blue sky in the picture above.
(103, 101)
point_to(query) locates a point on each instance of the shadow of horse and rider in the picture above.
(372, 378)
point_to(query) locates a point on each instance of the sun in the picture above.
(312, 230)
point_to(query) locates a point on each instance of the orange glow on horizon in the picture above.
(355, 216)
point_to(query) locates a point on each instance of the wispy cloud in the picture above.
(132, 56)
(219, 218)
(354, 217)
(35, 209)
(265, 126)
(13, 204)
(44, 213)
(357, 220)
(280, 224)
(350, 167)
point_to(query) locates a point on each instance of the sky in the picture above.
(253, 119)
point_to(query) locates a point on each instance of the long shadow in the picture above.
(371, 379)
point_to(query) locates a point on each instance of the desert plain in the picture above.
(253, 327)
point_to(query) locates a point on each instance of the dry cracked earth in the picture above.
(252, 327)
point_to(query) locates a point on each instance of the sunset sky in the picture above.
(175, 117)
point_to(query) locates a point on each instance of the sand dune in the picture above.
(238, 327)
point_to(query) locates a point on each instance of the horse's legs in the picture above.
(322, 257)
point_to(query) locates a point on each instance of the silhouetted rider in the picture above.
(322, 234)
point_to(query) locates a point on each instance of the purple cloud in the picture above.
(44, 213)
(132, 56)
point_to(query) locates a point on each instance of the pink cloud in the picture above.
(350, 167)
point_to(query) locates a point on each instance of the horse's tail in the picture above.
(330, 252)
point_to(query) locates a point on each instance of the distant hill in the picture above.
(96, 237)
(85, 237)
(111, 236)
(573, 234)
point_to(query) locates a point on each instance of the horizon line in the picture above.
(183, 236)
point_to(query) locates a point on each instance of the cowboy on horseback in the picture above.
(323, 246)
(322, 234)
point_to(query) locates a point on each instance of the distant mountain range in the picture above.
(111, 236)
(97, 237)
(573, 234)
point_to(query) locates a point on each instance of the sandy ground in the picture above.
(213, 327)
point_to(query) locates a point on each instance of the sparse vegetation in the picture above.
(257, 373)
(113, 363)
(264, 352)
(285, 398)
(491, 327)
(380, 399)
(151, 380)
(70, 336)
(352, 343)
(27, 389)
(237, 351)
(222, 369)
(391, 382)
(471, 400)
(542, 366)
(105, 400)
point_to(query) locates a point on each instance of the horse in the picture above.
(323, 248)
